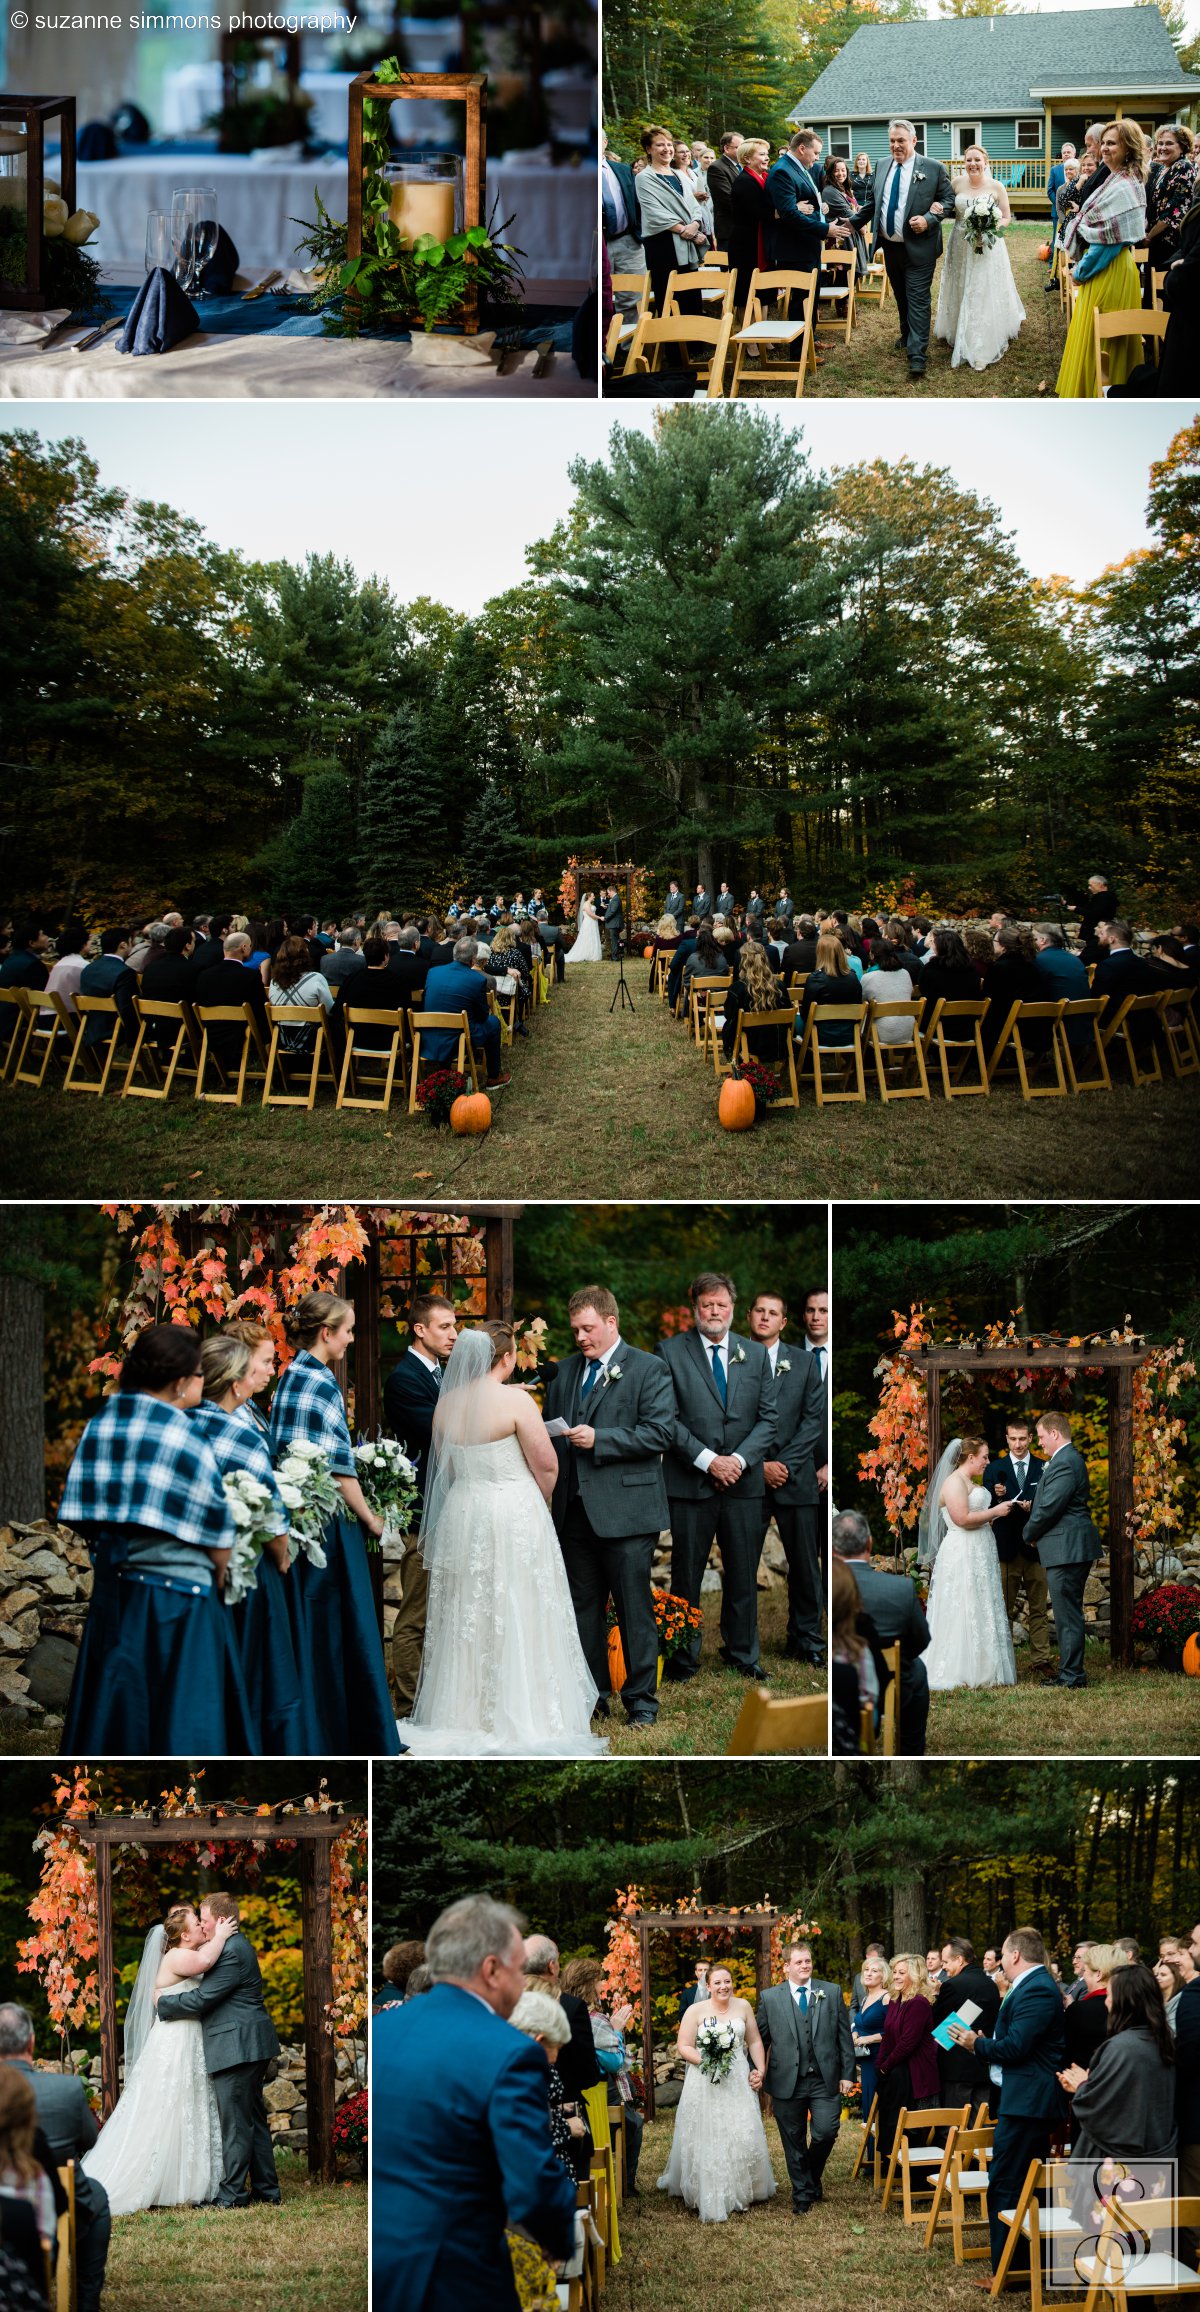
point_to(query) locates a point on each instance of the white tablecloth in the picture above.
(553, 210)
(287, 368)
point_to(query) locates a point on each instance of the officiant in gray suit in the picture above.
(239, 2042)
(613, 919)
(1068, 1544)
(724, 1430)
(610, 1500)
(805, 2028)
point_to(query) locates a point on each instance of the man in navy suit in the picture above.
(457, 987)
(1012, 1476)
(622, 221)
(410, 1399)
(797, 239)
(461, 2138)
(1028, 2049)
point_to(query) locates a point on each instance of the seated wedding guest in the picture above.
(70, 961)
(907, 2062)
(25, 965)
(1062, 973)
(1121, 973)
(148, 948)
(705, 960)
(800, 953)
(855, 1681)
(1099, 239)
(542, 2018)
(664, 939)
(981, 950)
(1123, 2101)
(171, 978)
(399, 1963)
(1170, 1979)
(836, 926)
(342, 961)
(584, 1979)
(305, 928)
(754, 988)
(686, 947)
(453, 2172)
(1012, 979)
(1085, 2020)
(296, 980)
(948, 976)
(674, 233)
(210, 933)
(753, 214)
(896, 1613)
(109, 974)
(832, 981)
(886, 981)
(28, 2210)
(434, 946)
(462, 986)
(377, 987)
(508, 962)
(228, 983)
(1166, 962)
(841, 204)
(68, 2127)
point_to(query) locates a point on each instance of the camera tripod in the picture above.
(621, 991)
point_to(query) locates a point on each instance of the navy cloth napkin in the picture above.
(160, 317)
(218, 276)
(97, 142)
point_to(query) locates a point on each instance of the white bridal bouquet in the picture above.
(983, 221)
(716, 2045)
(253, 1513)
(310, 1496)
(389, 1482)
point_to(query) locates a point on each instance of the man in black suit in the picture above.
(232, 982)
(796, 241)
(1121, 973)
(408, 970)
(1187, 2080)
(410, 1399)
(1098, 904)
(793, 1496)
(895, 1611)
(911, 199)
(723, 174)
(785, 906)
(210, 933)
(800, 954)
(613, 919)
(963, 2074)
(66, 2121)
(724, 1431)
(1012, 1477)
(686, 947)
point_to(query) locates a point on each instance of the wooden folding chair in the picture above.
(152, 1068)
(700, 991)
(1177, 1014)
(1131, 321)
(788, 1093)
(761, 331)
(1120, 1031)
(889, 1731)
(835, 299)
(768, 1724)
(662, 965)
(957, 1052)
(712, 283)
(860, 2156)
(425, 1023)
(684, 332)
(369, 1066)
(232, 1078)
(962, 2183)
(1128, 2264)
(918, 2164)
(624, 323)
(815, 1054)
(13, 1001)
(317, 1059)
(1010, 1052)
(1031, 2223)
(873, 285)
(66, 2269)
(100, 1057)
(1089, 1008)
(49, 1035)
(866, 1730)
(900, 1068)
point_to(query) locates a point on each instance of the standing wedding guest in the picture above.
(867, 2025)
(1170, 1979)
(896, 1613)
(1085, 2021)
(233, 1371)
(962, 2076)
(451, 2171)
(796, 239)
(724, 1430)
(158, 1673)
(723, 174)
(1099, 239)
(792, 1494)
(840, 203)
(622, 222)
(862, 176)
(1123, 2102)
(672, 220)
(907, 2063)
(1169, 196)
(1028, 2050)
(584, 1978)
(342, 1671)
(68, 2124)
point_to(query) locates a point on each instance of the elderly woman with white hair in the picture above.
(539, 2015)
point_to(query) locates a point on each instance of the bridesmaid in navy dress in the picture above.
(342, 1671)
(868, 2027)
(158, 1672)
(263, 1622)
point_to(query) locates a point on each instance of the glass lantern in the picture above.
(23, 180)
(427, 194)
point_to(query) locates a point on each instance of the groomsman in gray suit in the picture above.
(805, 2028)
(790, 1471)
(675, 905)
(724, 1431)
(1068, 1544)
(610, 1500)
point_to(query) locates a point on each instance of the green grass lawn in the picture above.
(697, 1718)
(845, 2256)
(311, 2252)
(870, 363)
(1119, 1714)
(609, 1104)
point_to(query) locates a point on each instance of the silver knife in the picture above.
(59, 330)
(261, 287)
(85, 343)
(545, 355)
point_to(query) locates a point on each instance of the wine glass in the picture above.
(193, 231)
(160, 247)
(205, 232)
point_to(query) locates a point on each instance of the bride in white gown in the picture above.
(719, 2161)
(503, 1673)
(979, 310)
(162, 2146)
(971, 1640)
(587, 948)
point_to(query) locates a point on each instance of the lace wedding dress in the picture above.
(162, 2146)
(719, 2160)
(587, 948)
(503, 1673)
(979, 311)
(971, 1642)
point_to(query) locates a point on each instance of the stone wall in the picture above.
(45, 1584)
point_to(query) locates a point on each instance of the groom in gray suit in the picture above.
(805, 2029)
(724, 1430)
(612, 922)
(1068, 1543)
(610, 1500)
(239, 2042)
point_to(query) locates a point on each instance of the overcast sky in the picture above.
(443, 500)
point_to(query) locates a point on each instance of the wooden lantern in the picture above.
(23, 122)
(468, 88)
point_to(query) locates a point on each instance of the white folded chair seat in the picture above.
(975, 2181)
(1058, 2220)
(769, 332)
(929, 2155)
(1157, 2274)
(833, 293)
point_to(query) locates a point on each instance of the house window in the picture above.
(1029, 136)
(838, 143)
(919, 126)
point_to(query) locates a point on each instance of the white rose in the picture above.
(81, 226)
(367, 1455)
(307, 1450)
(54, 217)
(291, 1495)
(240, 1514)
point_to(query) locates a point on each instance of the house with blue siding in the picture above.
(1021, 86)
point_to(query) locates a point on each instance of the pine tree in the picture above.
(495, 854)
(402, 851)
(310, 865)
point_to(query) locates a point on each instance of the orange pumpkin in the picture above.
(647, 952)
(1044, 253)
(616, 1660)
(1191, 1655)
(471, 1113)
(736, 1106)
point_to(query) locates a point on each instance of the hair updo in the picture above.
(175, 1923)
(222, 1362)
(502, 1338)
(305, 1322)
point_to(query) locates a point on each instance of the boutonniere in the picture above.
(818, 1995)
(611, 1373)
(783, 1365)
(739, 1356)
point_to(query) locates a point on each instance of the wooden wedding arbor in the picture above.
(313, 1836)
(1118, 1361)
(756, 1924)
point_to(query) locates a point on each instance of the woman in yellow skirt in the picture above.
(1099, 242)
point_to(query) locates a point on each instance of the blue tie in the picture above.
(719, 1373)
(589, 1378)
(803, 2000)
(893, 201)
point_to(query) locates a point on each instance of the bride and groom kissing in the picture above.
(1045, 1542)
(191, 2125)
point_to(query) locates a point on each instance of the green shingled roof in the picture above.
(965, 64)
